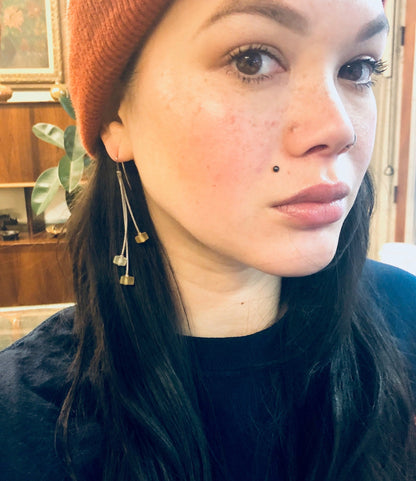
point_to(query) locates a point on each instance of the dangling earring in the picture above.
(122, 260)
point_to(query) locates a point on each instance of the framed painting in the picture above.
(30, 43)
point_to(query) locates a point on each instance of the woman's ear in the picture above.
(116, 141)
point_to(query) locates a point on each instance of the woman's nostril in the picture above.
(316, 148)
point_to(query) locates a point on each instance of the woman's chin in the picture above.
(300, 264)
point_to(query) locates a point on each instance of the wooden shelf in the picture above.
(36, 239)
(14, 185)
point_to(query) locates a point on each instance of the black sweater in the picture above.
(232, 395)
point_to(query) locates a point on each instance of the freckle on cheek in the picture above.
(268, 124)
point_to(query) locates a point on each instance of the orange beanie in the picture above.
(103, 35)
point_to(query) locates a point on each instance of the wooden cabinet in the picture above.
(22, 156)
(35, 269)
(34, 273)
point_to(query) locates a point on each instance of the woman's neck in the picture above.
(225, 301)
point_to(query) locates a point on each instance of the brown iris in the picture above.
(353, 71)
(249, 63)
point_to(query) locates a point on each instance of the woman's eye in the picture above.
(254, 64)
(361, 71)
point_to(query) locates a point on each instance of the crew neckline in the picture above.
(225, 354)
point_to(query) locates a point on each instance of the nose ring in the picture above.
(351, 145)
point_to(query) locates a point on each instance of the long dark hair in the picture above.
(347, 402)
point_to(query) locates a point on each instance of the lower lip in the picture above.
(314, 214)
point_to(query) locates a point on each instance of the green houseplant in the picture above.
(70, 169)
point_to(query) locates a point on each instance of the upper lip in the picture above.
(321, 193)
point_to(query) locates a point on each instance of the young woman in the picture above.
(227, 325)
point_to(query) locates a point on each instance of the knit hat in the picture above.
(103, 35)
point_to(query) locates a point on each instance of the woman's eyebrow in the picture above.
(373, 27)
(282, 14)
(288, 17)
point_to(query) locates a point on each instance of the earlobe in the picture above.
(116, 141)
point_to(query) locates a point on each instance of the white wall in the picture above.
(12, 202)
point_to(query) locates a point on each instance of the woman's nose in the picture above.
(317, 121)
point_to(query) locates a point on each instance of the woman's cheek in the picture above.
(366, 130)
(233, 145)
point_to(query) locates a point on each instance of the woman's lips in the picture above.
(316, 206)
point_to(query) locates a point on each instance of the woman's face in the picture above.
(228, 92)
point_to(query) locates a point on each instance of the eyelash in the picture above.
(376, 67)
(256, 48)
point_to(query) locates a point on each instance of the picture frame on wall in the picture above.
(30, 43)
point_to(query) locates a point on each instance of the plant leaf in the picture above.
(49, 133)
(66, 103)
(44, 190)
(73, 147)
(70, 172)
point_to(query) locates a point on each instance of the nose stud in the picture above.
(351, 145)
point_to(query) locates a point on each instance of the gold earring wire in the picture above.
(122, 260)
